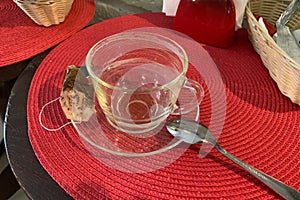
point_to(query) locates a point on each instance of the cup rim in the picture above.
(129, 33)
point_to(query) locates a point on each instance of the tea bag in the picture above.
(283, 37)
(76, 97)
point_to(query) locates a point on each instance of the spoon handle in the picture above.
(282, 189)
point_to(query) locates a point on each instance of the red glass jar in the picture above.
(207, 21)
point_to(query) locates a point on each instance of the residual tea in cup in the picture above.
(137, 77)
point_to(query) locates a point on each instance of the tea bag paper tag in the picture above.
(76, 97)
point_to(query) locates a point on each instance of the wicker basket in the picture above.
(283, 69)
(46, 12)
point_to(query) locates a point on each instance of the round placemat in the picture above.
(261, 128)
(21, 38)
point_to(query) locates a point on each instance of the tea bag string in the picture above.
(52, 129)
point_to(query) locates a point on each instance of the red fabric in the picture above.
(261, 128)
(21, 38)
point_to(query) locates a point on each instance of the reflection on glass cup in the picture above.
(137, 78)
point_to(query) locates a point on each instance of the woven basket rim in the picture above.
(41, 2)
(267, 36)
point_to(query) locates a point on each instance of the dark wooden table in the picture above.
(8, 76)
(34, 180)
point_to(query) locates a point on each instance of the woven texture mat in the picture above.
(261, 128)
(21, 38)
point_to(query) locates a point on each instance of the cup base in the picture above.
(99, 135)
(135, 130)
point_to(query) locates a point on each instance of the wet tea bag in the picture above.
(284, 37)
(76, 97)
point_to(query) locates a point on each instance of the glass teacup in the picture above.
(137, 77)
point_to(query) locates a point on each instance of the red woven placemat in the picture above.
(21, 38)
(261, 127)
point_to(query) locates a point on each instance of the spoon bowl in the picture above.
(192, 132)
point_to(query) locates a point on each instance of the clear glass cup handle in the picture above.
(198, 92)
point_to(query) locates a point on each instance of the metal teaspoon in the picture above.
(192, 132)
